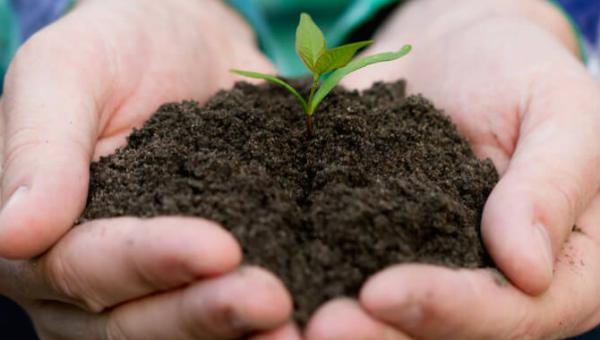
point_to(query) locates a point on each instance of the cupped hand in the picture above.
(76, 89)
(507, 74)
(428, 302)
(74, 92)
(161, 278)
(521, 98)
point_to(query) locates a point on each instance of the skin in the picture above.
(72, 94)
(507, 74)
(428, 302)
(521, 97)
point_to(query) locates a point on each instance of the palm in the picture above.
(474, 304)
(74, 91)
(158, 57)
(524, 101)
(99, 72)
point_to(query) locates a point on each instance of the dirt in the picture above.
(386, 179)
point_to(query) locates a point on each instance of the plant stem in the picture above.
(309, 126)
(309, 113)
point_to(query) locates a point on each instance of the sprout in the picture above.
(320, 60)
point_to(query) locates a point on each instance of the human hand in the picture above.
(505, 72)
(427, 302)
(73, 93)
(522, 99)
(77, 88)
(161, 278)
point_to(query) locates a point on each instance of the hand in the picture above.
(506, 73)
(73, 93)
(428, 302)
(522, 99)
(76, 89)
(161, 278)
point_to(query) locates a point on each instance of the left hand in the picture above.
(503, 71)
(429, 302)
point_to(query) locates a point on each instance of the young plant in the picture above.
(320, 61)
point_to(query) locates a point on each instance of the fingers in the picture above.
(73, 82)
(107, 262)
(230, 306)
(50, 119)
(551, 178)
(423, 301)
(345, 319)
(430, 302)
(239, 303)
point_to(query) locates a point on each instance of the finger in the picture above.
(345, 319)
(239, 303)
(289, 331)
(422, 300)
(439, 303)
(107, 262)
(552, 176)
(230, 306)
(50, 113)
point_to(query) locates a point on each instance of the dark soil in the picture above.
(386, 179)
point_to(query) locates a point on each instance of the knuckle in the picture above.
(68, 283)
(20, 140)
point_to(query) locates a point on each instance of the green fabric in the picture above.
(9, 39)
(275, 23)
(576, 30)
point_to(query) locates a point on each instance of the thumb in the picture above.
(50, 125)
(552, 176)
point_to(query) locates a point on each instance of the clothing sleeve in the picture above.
(585, 15)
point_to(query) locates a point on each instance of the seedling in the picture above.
(320, 61)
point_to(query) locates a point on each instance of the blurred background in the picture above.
(14, 323)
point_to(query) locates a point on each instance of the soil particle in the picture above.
(386, 179)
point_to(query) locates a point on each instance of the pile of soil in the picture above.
(386, 179)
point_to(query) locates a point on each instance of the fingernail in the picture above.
(544, 245)
(15, 197)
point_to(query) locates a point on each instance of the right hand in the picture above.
(505, 72)
(74, 92)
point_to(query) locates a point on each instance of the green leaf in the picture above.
(274, 80)
(338, 57)
(354, 65)
(310, 42)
